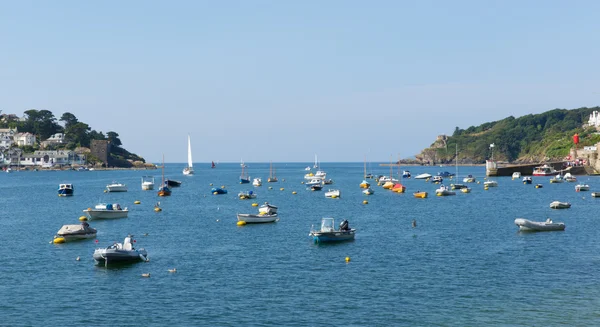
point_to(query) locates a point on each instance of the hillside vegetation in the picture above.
(527, 139)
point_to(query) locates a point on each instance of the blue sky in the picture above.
(283, 80)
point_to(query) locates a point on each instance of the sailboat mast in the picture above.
(365, 169)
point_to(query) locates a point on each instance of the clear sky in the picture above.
(284, 80)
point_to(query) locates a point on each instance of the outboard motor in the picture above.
(344, 225)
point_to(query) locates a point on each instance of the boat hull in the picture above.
(147, 186)
(65, 192)
(257, 219)
(538, 226)
(335, 236)
(116, 188)
(119, 256)
(106, 214)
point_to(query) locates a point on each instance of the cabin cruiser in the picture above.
(544, 170)
(116, 187)
(65, 189)
(328, 233)
(314, 181)
(147, 183)
(538, 226)
(406, 174)
(120, 252)
(74, 232)
(423, 176)
(106, 211)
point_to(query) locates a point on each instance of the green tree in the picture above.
(69, 119)
(113, 138)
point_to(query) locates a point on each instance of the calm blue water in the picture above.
(464, 265)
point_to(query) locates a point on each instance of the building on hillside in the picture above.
(24, 139)
(7, 137)
(53, 158)
(594, 120)
(58, 138)
(100, 149)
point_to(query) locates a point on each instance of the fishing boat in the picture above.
(244, 178)
(74, 232)
(560, 205)
(328, 232)
(219, 190)
(164, 189)
(527, 180)
(444, 191)
(147, 183)
(257, 181)
(65, 190)
(116, 187)
(272, 178)
(582, 187)
(526, 225)
(189, 170)
(544, 170)
(120, 252)
(420, 194)
(331, 193)
(247, 195)
(106, 211)
(406, 174)
(368, 191)
(516, 175)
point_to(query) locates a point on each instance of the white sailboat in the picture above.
(189, 170)
(316, 165)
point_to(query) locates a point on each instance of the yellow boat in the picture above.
(420, 195)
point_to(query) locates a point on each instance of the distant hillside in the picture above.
(527, 139)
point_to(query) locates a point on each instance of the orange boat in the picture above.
(420, 195)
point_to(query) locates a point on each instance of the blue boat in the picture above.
(215, 190)
(244, 178)
(328, 233)
(65, 190)
(406, 174)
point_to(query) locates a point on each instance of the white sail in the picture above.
(189, 170)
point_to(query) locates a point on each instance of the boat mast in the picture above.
(365, 169)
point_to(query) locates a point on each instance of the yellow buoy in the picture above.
(301, 182)
(157, 209)
(137, 202)
(347, 259)
(294, 192)
(255, 204)
(59, 240)
(104, 191)
(281, 189)
(334, 196)
(222, 186)
(241, 223)
(365, 202)
(486, 188)
(215, 193)
(83, 218)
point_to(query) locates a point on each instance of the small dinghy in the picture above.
(560, 205)
(267, 213)
(420, 194)
(538, 226)
(216, 191)
(516, 175)
(333, 193)
(120, 253)
(582, 187)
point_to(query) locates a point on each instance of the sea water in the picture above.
(464, 264)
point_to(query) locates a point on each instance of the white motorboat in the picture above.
(527, 180)
(596, 194)
(490, 183)
(328, 233)
(560, 205)
(120, 252)
(469, 179)
(327, 181)
(74, 232)
(247, 195)
(257, 182)
(387, 179)
(516, 175)
(437, 179)
(331, 193)
(307, 168)
(569, 178)
(557, 179)
(116, 187)
(444, 191)
(538, 226)
(582, 187)
(189, 170)
(147, 183)
(544, 170)
(314, 181)
(423, 176)
(106, 211)
(267, 208)
(368, 191)
(320, 174)
(257, 219)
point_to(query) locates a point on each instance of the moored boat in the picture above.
(469, 179)
(539, 185)
(74, 232)
(331, 193)
(569, 178)
(538, 226)
(267, 208)
(527, 180)
(406, 174)
(120, 252)
(365, 184)
(444, 191)
(257, 181)
(420, 194)
(544, 170)
(465, 190)
(423, 176)
(219, 190)
(106, 211)
(147, 183)
(189, 170)
(316, 187)
(398, 188)
(65, 190)
(328, 232)
(247, 195)
(437, 179)
(458, 186)
(582, 187)
(368, 191)
(560, 205)
(516, 175)
(172, 183)
(490, 183)
(116, 187)
(257, 219)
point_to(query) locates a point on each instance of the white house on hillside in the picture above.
(594, 119)
(58, 138)
(23, 139)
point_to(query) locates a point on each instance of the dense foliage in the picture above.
(529, 138)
